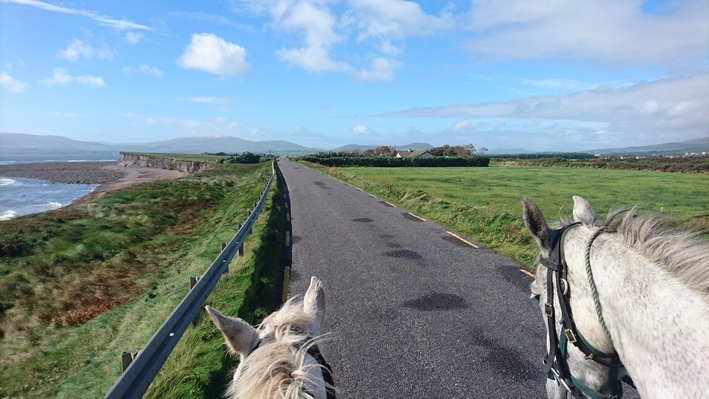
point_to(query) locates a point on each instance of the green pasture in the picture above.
(82, 284)
(483, 202)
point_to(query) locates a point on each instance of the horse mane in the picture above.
(655, 236)
(278, 369)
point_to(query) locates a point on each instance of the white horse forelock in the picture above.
(281, 368)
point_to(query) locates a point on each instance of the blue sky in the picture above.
(545, 75)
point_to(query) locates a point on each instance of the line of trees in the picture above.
(466, 150)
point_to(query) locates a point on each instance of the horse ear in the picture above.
(583, 211)
(314, 304)
(239, 335)
(535, 222)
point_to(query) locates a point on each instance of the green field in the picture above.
(483, 202)
(84, 283)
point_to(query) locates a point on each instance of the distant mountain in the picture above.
(364, 147)
(17, 143)
(13, 143)
(695, 145)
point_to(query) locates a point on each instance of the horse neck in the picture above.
(658, 326)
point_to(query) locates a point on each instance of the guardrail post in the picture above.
(241, 249)
(193, 281)
(223, 246)
(127, 359)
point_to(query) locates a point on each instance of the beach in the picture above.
(42, 186)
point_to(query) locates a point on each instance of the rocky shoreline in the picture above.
(66, 172)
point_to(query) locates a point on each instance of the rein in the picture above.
(555, 364)
(313, 351)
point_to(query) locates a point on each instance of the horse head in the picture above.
(581, 359)
(280, 357)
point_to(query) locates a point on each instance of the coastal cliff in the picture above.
(151, 161)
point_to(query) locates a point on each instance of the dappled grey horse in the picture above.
(628, 294)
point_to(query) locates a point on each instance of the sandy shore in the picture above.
(108, 175)
(133, 175)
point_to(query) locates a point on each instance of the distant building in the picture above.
(414, 154)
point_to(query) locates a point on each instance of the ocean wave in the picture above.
(54, 205)
(7, 215)
(5, 181)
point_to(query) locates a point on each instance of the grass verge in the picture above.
(483, 202)
(84, 283)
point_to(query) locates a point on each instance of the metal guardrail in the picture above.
(136, 379)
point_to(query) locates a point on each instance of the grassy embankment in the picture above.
(84, 283)
(483, 202)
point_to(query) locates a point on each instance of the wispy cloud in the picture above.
(617, 33)
(661, 108)
(209, 100)
(10, 84)
(147, 69)
(118, 24)
(212, 18)
(211, 53)
(128, 115)
(134, 37)
(61, 77)
(77, 49)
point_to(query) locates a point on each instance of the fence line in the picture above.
(136, 379)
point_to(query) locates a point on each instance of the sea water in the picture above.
(21, 196)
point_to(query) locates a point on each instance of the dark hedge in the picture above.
(399, 162)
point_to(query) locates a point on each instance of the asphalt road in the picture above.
(412, 311)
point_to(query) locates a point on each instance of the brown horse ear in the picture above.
(535, 222)
(314, 304)
(240, 336)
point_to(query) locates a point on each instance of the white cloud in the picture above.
(389, 21)
(209, 100)
(95, 81)
(133, 37)
(672, 107)
(381, 69)
(147, 69)
(77, 49)
(501, 122)
(317, 24)
(117, 24)
(10, 84)
(61, 76)
(361, 130)
(214, 54)
(321, 26)
(614, 32)
(463, 126)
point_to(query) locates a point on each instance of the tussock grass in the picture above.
(483, 202)
(80, 285)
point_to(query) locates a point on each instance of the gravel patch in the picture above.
(66, 172)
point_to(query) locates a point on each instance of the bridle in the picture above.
(313, 351)
(555, 364)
